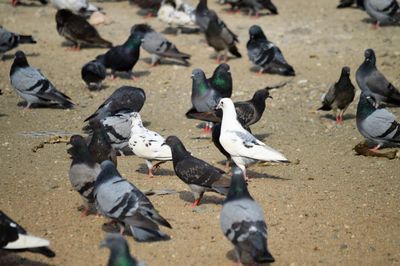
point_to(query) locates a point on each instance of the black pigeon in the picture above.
(10, 40)
(220, 37)
(77, 30)
(148, 7)
(202, 15)
(93, 73)
(120, 200)
(216, 133)
(242, 222)
(254, 6)
(266, 54)
(339, 96)
(120, 255)
(124, 99)
(123, 57)
(29, 83)
(221, 80)
(14, 238)
(373, 83)
(83, 171)
(158, 46)
(198, 174)
(349, 3)
(100, 147)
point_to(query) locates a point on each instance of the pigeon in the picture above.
(83, 171)
(254, 6)
(266, 54)
(243, 147)
(77, 30)
(77, 6)
(10, 40)
(220, 37)
(148, 144)
(377, 125)
(158, 46)
(204, 97)
(14, 3)
(373, 83)
(29, 83)
(123, 57)
(176, 12)
(149, 8)
(198, 174)
(215, 134)
(121, 201)
(349, 3)
(339, 96)
(124, 99)
(383, 11)
(202, 14)
(120, 254)
(14, 238)
(99, 146)
(242, 222)
(93, 73)
(221, 80)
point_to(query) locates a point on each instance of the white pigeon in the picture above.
(243, 147)
(148, 144)
(76, 6)
(176, 12)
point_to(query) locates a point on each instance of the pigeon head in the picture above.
(96, 124)
(256, 32)
(20, 59)
(225, 104)
(346, 71)
(178, 149)
(202, 5)
(136, 120)
(369, 55)
(119, 248)
(141, 28)
(79, 151)
(238, 188)
(77, 140)
(62, 15)
(261, 95)
(222, 69)
(198, 74)
(114, 242)
(199, 82)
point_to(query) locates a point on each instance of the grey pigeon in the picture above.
(266, 55)
(121, 201)
(383, 11)
(349, 3)
(93, 73)
(158, 46)
(124, 99)
(202, 15)
(199, 175)
(83, 171)
(29, 83)
(242, 222)
(120, 254)
(10, 40)
(204, 97)
(100, 146)
(77, 30)
(14, 238)
(254, 6)
(372, 82)
(243, 147)
(377, 125)
(220, 37)
(339, 96)
(122, 58)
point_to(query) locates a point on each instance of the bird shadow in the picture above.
(1, 115)
(332, 117)
(11, 259)
(231, 255)
(31, 4)
(11, 56)
(146, 123)
(214, 57)
(129, 75)
(246, 11)
(94, 88)
(256, 69)
(372, 21)
(41, 106)
(207, 199)
(165, 61)
(262, 136)
(253, 175)
(68, 44)
(160, 172)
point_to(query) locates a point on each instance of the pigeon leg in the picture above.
(226, 56)
(14, 3)
(218, 58)
(133, 77)
(260, 72)
(113, 77)
(157, 166)
(376, 148)
(375, 25)
(85, 211)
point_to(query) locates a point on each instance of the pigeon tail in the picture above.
(25, 39)
(141, 234)
(234, 50)
(325, 107)
(394, 97)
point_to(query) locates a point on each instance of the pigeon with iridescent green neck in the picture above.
(120, 255)
(221, 80)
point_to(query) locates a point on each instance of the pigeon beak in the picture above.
(164, 144)
(270, 97)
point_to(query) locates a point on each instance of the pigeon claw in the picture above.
(14, 3)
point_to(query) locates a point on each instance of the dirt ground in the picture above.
(332, 208)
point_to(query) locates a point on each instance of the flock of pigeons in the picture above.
(116, 127)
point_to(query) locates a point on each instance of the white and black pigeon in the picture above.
(383, 11)
(158, 46)
(377, 125)
(243, 147)
(126, 99)
(254, 6)
(93, 73)
(10, 40)
(119, 251)
(372, 82)
(242, 222)
(148, 144)
(29, 83)
(83, 171)
(14, 238)
(349, 3)
(220, 37)
(176, 13)
(266, 55)
(77, 6)
(121, 201)
(339, 96)
(199, 175)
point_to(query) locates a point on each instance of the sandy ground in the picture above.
(333, 208)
